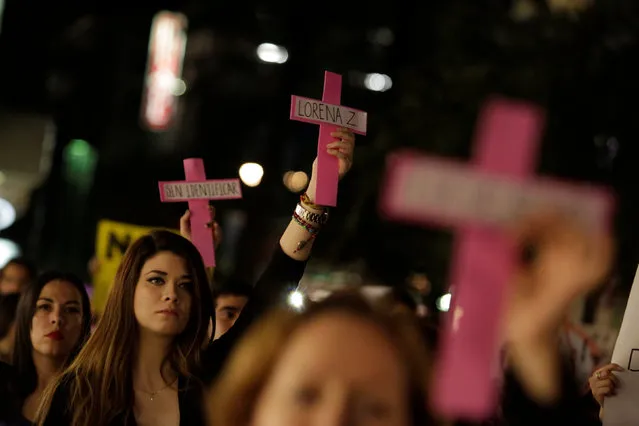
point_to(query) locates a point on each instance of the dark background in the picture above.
(84, 63)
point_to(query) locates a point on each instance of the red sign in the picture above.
(166, 55)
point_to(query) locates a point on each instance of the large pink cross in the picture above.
(329, 114)
(198, 191)
(482, 201)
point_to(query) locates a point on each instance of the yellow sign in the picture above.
(112, 240)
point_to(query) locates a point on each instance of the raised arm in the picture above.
(289, 258)
(567, 264)
(297, 241)
(287, 265)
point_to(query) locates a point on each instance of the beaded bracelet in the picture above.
(310, 229)
(304, 224)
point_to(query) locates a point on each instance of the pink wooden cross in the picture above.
(482, 201)
(330, 115)
(197, 191)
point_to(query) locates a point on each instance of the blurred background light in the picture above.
(378, 82)
(7, 214)
(8, 250)
(179, 87)
(272, 53)
(296, 300)
(443, 303)
(251, 174)
(295, 181)
(382, 36)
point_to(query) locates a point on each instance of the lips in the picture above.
(55, 335)
(169, 312)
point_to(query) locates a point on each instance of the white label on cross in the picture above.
(440, 190)
(314, 111)
(210, 190)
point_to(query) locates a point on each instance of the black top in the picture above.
(282, 273)
(574, 408)
(10, 400)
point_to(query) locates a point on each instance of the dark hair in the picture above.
(232, 286)
(404, 295)
(8, 305)
(23, 262)
(100, 377)
(22, 352)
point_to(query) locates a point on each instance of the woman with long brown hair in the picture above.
(144, 364)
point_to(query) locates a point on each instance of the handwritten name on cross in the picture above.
(482, 201)
(197, 191)
(330, 115)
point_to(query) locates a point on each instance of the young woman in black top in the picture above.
(144, 364)
(53, 321)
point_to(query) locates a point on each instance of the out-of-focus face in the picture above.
(13, 279)
(228, 308)
(57, 322)
(337, 369)
(421, 283)
(162, 299)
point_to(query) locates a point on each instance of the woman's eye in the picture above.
(72, 310)
(44, 307)
(156, 281)
(186, 284)
(375, 410)
(306, 395)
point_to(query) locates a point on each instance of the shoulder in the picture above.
(8, 379)
(9, 397)
(6, 370)
(213, 358)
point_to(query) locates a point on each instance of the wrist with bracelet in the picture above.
(311, 217)
(305, 200)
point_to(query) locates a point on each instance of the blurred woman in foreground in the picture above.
(344, 362)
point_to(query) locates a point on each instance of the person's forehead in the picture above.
(15, 269)
(60, 291)
(164, 261)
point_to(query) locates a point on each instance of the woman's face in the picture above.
(13, 279)
(337, 369)
(162, 300)
(57, 322)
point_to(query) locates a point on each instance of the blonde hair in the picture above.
(232, 400)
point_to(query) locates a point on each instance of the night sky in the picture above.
(84, 66)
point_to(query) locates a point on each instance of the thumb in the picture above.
(185, 225)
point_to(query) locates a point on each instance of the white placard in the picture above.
(428, 190)
(206, 190)
(623, 408)
(318, 112)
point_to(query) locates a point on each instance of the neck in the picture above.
(46, 367)
(150, 372)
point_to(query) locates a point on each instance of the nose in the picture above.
(170, 292)
(56, 316)
(336, 407)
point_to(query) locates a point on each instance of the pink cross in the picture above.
(197, 191)
(329, 114)
(482, 201)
